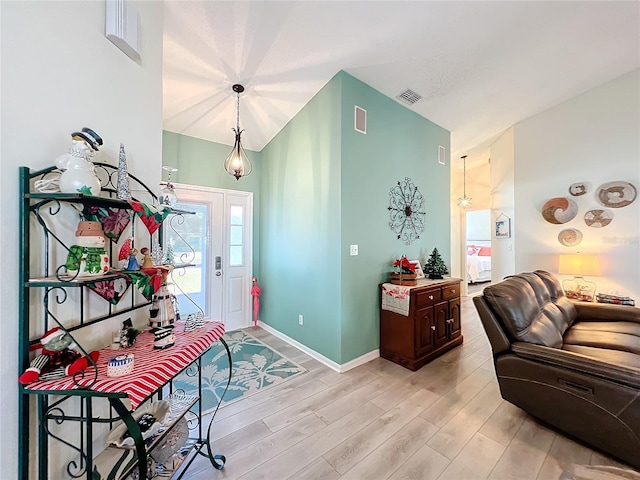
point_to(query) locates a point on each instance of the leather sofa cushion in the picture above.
(614, 357)
(614, 342)
(524, 307)
(629, 328)
(557, 295)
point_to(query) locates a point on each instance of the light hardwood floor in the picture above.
(380, 421)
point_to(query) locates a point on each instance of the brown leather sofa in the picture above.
(574, 366)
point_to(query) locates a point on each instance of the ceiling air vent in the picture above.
(409, 97)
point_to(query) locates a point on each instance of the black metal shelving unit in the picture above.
(49, 287)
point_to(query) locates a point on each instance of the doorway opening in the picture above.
(217, 243)
(478, 249)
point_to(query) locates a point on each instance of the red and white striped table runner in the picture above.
(152, 368)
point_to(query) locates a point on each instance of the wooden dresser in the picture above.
(431, 328)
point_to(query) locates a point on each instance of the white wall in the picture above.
(593, 138)
(479, 225)
(503, 250)
(59, 73)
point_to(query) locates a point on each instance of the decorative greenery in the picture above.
(435, 267)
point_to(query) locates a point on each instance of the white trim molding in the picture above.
(367, 357)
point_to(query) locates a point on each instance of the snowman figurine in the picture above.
(78, 171)
(88, 256)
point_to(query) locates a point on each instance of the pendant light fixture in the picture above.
(464, 201)
(237, 163)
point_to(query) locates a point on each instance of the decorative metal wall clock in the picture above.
(406, 210)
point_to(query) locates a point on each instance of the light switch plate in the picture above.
(353, 250)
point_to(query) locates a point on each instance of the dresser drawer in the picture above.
(450, 291)
(430, 297)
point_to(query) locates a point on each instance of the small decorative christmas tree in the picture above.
(168, 255)
(435, 267)
(123, 191)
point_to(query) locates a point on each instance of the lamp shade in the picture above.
(579, 265)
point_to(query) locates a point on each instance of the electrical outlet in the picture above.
(353, 250)
(300, 320)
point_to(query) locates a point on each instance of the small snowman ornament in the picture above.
(88, 256)
(78, 174)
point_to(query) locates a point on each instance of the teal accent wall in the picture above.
(300, 227)
(326, 187)
(398, 143)
(200, 162)
(319, 186)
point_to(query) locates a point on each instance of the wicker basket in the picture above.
(408, 279)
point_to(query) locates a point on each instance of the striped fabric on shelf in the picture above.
(153, 368)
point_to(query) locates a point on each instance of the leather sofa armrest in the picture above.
(574, 361)
(600, 312)
(499, 341)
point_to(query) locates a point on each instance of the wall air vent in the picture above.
(360, 119)
(409, 97)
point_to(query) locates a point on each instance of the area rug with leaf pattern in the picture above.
(256, 366)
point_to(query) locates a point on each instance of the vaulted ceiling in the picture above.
(479, 66)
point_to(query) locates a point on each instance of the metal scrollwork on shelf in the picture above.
(185, 257)
(406, 209)
(192, 371)
(61, 271)
(106, 176)
(193, 420)
(56, 414)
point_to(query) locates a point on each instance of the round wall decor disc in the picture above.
(616, 194)
(559, 210)
(578, 189)
(570, 237)
(598, 217)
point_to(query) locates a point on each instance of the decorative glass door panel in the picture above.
(221, 237)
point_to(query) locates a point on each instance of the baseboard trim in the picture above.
(361, 360)
(318, 356)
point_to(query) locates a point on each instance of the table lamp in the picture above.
(579, 265)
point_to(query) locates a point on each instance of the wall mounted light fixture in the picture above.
(237, 163)
(464, 201)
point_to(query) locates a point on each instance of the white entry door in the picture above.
(220, 233)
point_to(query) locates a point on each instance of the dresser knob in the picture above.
(433, 327)
(453, 290)
(430, 297)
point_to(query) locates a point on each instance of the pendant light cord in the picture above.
(464, 176)
(238, 111)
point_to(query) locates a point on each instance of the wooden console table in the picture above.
(431, 327)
